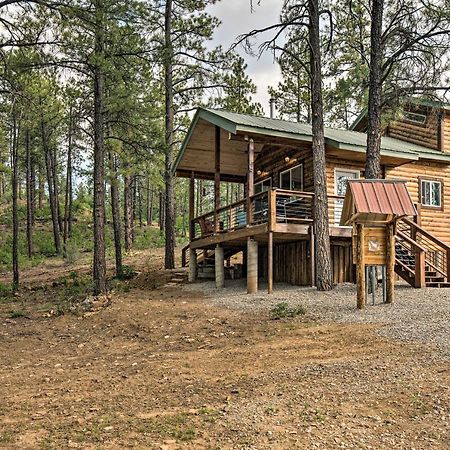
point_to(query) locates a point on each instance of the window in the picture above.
(415, 117)
(263, 185)
(292, 179)
(431, 193)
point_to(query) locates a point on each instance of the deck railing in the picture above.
(271, 207)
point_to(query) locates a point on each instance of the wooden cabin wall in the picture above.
(421, 134)
(446, 134)
(271, 161)
(291, 262)
(434, 220)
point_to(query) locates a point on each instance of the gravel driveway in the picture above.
(418, 315)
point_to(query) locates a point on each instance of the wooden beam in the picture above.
(250, 178)
(312, 249)
(360, 268)
(390, 263)
(219, 267)
(441, 132)
(252, 266)
(192, 206)
(270, 263)
(199, 175)
(216, 179)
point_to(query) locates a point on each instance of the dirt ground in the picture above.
(163, 368)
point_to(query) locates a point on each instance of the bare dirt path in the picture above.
(163, 368)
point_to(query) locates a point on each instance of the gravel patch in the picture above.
(418, 315)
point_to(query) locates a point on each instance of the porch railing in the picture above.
(271, 207)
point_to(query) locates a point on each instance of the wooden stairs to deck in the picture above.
(421, 259)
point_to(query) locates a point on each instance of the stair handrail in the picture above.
(410, 241)
(430, 236)
(419, 259)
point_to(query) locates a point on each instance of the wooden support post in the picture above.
(312, 256)
(419, 281)
(252, 266)
(192, 265)
(390, 263)
(216, 179)
(441, 132)
(250, 179)
(219, 267)
(360, 268)
(192, 206)
(270, 263)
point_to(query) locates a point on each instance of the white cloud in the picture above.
(237, 18)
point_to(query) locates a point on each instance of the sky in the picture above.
(237, 18)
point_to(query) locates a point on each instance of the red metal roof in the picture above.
(388, 197)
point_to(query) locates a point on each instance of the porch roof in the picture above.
(197, 150)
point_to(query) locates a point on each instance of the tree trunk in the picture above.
(321, 224)
(29, 188)
(128, 211)
(161, 212)
(99, 260)
(373, 165)
(41, 178)
(50, 185)
(149, 203)
(68, 193)
(15, 188)
(54, 168)
(115, 208)
(169, 144)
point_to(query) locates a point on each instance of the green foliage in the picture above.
(148, 237)
(283, 310)
(16, 314)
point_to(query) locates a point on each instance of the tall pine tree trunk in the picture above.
(99, 260)
(128, 211)
(50, 185)
(15, 188)
(115, 208)
(29, 188)
(68, 193)
(149, 203)
(324, 278)
(169, 216)
(373, 164)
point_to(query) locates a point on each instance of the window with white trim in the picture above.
(292, 179)
(431, 193)
(413, 117)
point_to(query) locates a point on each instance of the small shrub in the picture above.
(16, 314)
(128, 273)
(282, 310)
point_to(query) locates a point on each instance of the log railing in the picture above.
(271, 207)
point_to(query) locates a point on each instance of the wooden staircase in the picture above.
(422, 259)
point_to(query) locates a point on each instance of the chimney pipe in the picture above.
(272, 107)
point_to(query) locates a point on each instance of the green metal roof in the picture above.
(337, 138)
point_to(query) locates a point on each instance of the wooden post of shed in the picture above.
(250, 179)
(312, 256)
(360, 268)
(216, 179)
(219, 267)
(192, 252)
(252, 266)
(390, 262)
(272, 222)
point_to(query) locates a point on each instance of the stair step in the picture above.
(445, 284)
(435, 279)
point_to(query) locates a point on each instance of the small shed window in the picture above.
(263, 185)
(292, 179)
(415, 117)
(431, 193)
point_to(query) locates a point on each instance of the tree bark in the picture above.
(29, 189)
(169, 144)
(99, 260)
(149, 203)
(373, 164)
(68, 193)
(321, 224)
(50, 185)
(15, 188)
(128, 211)
(115, 208)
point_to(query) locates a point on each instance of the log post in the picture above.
(192, 206)
(419, 275)
(390, 263)
(216, 179)
(219, 267)
(360, 268)
(270, 263)
(250, 179)
(252, 266)
(192, 265)
(312, 256)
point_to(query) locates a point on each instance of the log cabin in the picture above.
(272, 225)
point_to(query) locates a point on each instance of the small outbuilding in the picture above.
(373, 208)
